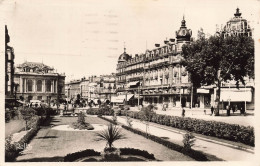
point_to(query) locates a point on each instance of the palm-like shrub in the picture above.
(111, 134)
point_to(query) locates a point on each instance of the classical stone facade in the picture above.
(156, 76)
(38, 82)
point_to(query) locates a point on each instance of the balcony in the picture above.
(104, 91)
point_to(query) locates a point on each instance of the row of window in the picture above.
(39, 85)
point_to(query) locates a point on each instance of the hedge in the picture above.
(138, 152)
(100, 111)
(221, 130)
(12, 150)
(77, 155)
(90, 152)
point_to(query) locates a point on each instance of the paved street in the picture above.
(213, 148)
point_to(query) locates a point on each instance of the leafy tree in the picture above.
(27, 114)
(217, 59)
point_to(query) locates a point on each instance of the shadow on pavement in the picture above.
(46, 137)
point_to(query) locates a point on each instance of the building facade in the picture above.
(37, 81)
(9, 68)
(156, 76)
(235, 26)
(92, 88)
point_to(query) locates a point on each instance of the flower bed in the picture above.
(92, 155)
(103, 110)
(77, 155)
(221, 130)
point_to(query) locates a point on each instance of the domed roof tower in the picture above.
(183, 35)
(123, 57)
(236, 26)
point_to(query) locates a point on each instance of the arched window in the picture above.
(48, 85)
(39, 85)
(29, 85)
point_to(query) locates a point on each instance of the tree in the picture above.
(217, 59)
(146, 114)
(27, 114)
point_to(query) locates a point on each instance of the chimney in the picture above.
(166, 41)
(172, 40)
(157, 45)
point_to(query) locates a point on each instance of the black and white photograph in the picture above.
(143, 81)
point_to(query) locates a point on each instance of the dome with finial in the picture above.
(236, 25)
(183, 34)
(123, 57)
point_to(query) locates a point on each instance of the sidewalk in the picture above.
(218, 149)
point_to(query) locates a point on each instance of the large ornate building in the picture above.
(156, 76)
(38, 81)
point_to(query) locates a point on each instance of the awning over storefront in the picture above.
(236, 95)
(118, 99)
(121, 98)
(132, 83)
(129, 96)
(202, 90)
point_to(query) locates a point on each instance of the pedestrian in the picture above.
(183, 112)
(212, 110)
(228, 110)
(241, 110)
(205, 112)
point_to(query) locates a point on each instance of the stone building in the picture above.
(92, 88)
(9, 69)
(37, 81)
(156, 76)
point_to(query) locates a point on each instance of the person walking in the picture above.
(212, 110)
(183, 112)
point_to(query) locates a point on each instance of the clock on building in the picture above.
(183, 32)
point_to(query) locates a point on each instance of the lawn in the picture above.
(53, 145)
(14, 126)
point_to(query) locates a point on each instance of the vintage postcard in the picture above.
(122, 81)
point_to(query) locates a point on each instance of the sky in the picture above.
(86, 37)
